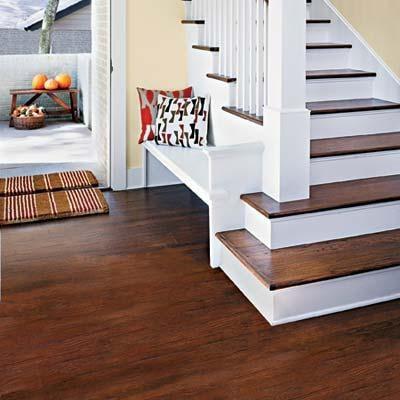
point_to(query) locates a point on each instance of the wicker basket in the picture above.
(29, 123)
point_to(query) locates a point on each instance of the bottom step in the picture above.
(309, 281)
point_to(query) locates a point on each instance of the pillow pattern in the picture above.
(148, 108)
(182, 122)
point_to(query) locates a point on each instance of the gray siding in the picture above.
(13, 42)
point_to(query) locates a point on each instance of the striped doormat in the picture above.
(54, 203)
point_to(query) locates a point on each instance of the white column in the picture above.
(286, 169)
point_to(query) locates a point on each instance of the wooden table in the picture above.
(66, 109)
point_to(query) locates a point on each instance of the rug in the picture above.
(20, 185)
(51, 206)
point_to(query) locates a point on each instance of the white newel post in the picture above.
(286, 169)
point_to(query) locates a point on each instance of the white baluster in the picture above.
(245, 59)
(239, 53)
(259, 97)
(252, 6)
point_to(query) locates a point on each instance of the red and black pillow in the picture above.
(148, 108)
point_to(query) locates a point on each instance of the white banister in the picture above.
(286, 120)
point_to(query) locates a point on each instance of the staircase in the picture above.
(338, 247)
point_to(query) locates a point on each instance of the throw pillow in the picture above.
(148, 108)
(182, 122)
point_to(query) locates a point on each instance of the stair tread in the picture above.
(328, 45)
(318, 21)
(355, 144)
(351, 105)
(244, 114)
(338, 73)
(300, 265)
(330, 196)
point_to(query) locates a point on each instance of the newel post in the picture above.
(286, 169)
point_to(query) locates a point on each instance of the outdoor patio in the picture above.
(57, 146)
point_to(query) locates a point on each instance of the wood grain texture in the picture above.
(222, 78)
(330, 196)
(136, 313)
(243, 114)
(355, 145)
(205, 48)
(294, 266)
(348, 106)
(338, 73)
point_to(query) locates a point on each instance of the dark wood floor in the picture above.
(125, 307)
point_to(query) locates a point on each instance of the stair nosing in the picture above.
(296, 283)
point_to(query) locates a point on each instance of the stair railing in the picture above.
(262, 44)
(239, 29)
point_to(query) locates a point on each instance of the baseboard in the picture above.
(156, 177)
(135, 178)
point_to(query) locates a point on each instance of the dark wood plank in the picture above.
(348, 106)
(338, 73)
(300, 265)
(125, 306)
(244, 114)
(319, 21)
(328, 45)
(222, 78)
(330, 196)
(36, 91)
(355, 145)
(205, 48)
(193, 22)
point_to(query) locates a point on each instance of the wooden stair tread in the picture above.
(355, 145)
(300, 265)
(338, 73)
(244, 114)
(351, 105)
(205, 48)
(328, 45)
(193, 21)
(318, 21)
(222, 78)
(330, 196)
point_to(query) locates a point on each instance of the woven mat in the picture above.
(51, 205)
(19, 185)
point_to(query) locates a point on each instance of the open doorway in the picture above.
(76, 133)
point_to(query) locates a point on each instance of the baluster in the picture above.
(259, 57)
(252, 5)
(222, 22)
(245, 59)
(239, 53)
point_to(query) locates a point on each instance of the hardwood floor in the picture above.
(125, 307)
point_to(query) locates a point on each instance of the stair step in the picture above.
(328, 45)
(319, 21)
(339, 73)
(222, 78)
(193, 21)
(205, 48)
(244, 114)
(343, 146)
(351, 105)
(330, 196)
(300, 265)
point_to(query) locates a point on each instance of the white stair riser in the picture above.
(339, 89)
(315, 299)
(327, 59)
(353, 124)
(317, 33)
(360, 166)
(322, 226)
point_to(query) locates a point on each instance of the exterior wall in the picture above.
(378, 23)
(17, 72)
(156, 57)
(79, 20)
(13, 41)
(101, 81)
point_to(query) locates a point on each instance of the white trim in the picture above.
(118, 148)
(135, 178)
(315, 299)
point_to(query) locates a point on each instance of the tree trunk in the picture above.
(47, 26)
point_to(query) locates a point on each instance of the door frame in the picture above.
(118, 145)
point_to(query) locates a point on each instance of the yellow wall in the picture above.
(156, 57)
(378, 23)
